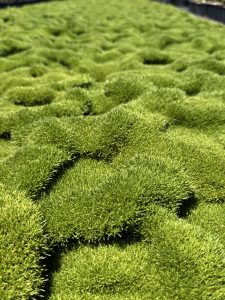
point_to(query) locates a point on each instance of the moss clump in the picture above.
(211, 218)
(121, 90)
(197, 112)
(154, 57)
(213, 65)
(104, 272)
(31, 169)
(73, 208)
(176, 260)
(30, 96)
(104, 134)
(23, 246)
(184, 260)
(10, 46)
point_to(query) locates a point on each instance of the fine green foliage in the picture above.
(73, 207)
(6, 149)
(211, 218)
(205, 161)
(112, 125)
(177, 261)
(100, 137)
(104, 272)
(30, 169)
(94, 201)
(10, 46)
(22, 247)
(121, 90)
(185, 261)
(30, 96)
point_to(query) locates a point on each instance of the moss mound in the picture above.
(23, 246)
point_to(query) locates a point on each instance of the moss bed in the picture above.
(112, 152)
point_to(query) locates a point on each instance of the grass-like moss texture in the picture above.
(23, 245)
(112, 152)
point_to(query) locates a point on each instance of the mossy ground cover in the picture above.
(112, 152)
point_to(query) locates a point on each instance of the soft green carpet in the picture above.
(112, 152)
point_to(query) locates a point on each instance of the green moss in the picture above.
(211, 218)
(154, 57)
(213, 65)
(7, 148)
(19, 77)
(63, 57)
(177, 260)
(184, 260)
(12, 46)
(97, 136)
(107, 108)
(104, 272)
(30, 96)
(73, 208)
(204, 160)
(162, 98)
(107, 56)
(31, 169)
(122, 89)
(22, 245)
(125, 188)
(168, 185)
(17, 123)
(68, 83)
(197, 112)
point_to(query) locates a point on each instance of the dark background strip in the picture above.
(211, 11)
(8, 3)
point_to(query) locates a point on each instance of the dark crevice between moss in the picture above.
(88, 108)
(187, 206)
(17, 3)
(52, 263)
(193, 92)
(181, 69)
(5, 135)
(65, 64)
(34, 75)
(85, 85)
(34, 103)
(193, 88)
(149, 61)
(214, 48)
(6, 19)
(126, 237)
(13, 50)
(80, 32)
(156, 59)
(165, 127)
(56, 33)
(106, 156)
(57, 174)
(167, 44)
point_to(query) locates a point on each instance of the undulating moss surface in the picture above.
(112, 152)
